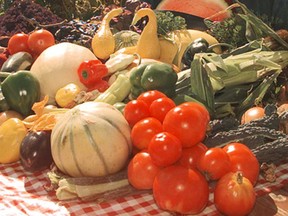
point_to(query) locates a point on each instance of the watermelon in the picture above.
(200, 8)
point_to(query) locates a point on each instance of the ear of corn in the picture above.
(249, 72)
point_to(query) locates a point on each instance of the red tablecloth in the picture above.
(23, 193)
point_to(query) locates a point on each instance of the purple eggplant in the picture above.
(35, 151)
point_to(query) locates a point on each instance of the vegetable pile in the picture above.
(109, 111)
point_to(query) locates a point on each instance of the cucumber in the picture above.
(17, 61)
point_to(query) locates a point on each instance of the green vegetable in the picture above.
(243, 26)
(154, 76)
(117, 92)
(3, 103)
(167, 22)
(21, 90)
(249, 71)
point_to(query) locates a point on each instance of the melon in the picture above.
(91, 139)
(200, 8)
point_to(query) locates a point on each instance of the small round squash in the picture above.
(91, 139)
(57, 66)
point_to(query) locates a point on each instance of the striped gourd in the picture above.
(91, 139)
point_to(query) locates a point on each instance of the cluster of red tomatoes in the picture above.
(33, 43)
(173, 162)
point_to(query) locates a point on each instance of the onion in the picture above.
(253, 113)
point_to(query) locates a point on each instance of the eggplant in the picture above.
(35, 151)
(197, 46)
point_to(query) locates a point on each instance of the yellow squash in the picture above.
(103, 42)
(12, 132)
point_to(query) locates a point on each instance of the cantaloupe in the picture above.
(91, 139)
(200, 8)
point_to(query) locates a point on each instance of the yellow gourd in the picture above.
(148, 45)
(103, 42)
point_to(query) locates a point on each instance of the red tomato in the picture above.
(242, 159)
(39, 40)
(234, 195)
(18, 43)
(180, 190)
(149, 96)
(190, 156)
(142, 171)
(187, 124)
(143, 131)
(199, 107)
(165, 149)
(214, 163)
(160, 107)
(134, 111)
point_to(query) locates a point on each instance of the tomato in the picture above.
(165, 149)
(142, 171)
(234, 195)
(160, 107)
(187, 124)
(149, 96)
(143, 131)
(190, 156)
(252, 114)
(39, 40)
(242, 159)
(199, 107)
(18, 43)
(214, 163)
(179, 189)
(134, 111)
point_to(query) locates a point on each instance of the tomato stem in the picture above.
(239, 177)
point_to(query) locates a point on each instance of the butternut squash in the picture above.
(103, 42)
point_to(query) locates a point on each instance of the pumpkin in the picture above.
(57, 66)
(91, 139)
(125, 38)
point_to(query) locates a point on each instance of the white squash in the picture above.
(91, 139)
(57, 66)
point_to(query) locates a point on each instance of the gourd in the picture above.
(148, 45)
(91, 139)
(57, 66)
(103, 43)
(125, 38)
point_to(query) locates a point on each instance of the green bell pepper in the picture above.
(21, 90)
(154, 76)
(3, 103)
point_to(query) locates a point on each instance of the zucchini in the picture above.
(17, 61)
